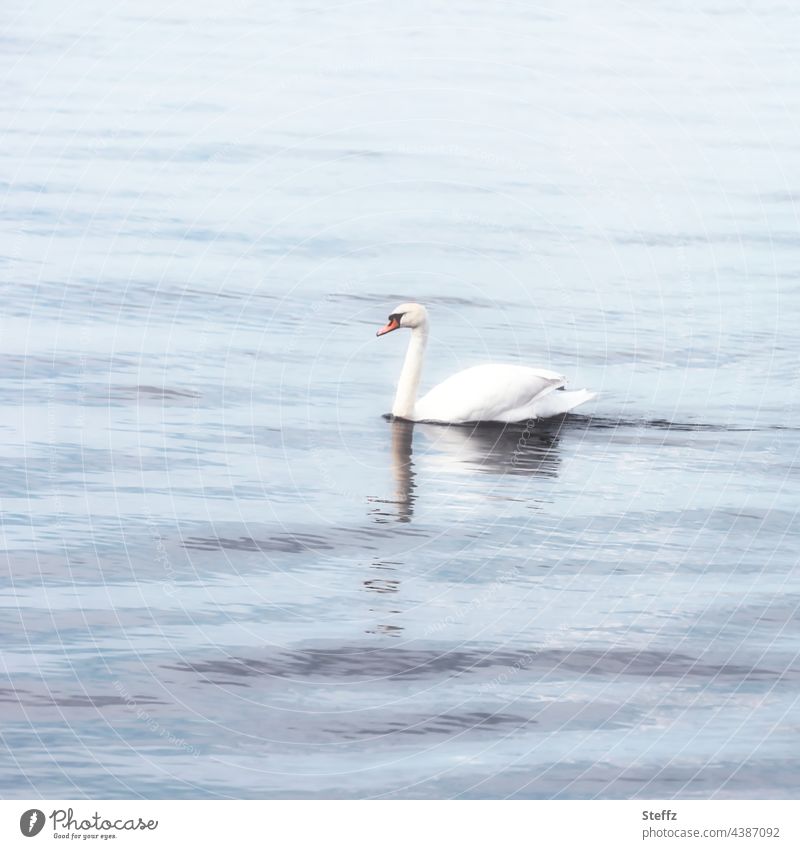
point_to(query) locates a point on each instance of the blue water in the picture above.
(225, 573)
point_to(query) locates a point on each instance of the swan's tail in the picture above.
(558, 403)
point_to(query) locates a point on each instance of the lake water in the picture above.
(226, 574)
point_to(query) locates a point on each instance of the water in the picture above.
(227, 574)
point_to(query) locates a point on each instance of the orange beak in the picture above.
(392, 325)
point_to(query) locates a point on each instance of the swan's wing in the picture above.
(556, 403)
(499, 393)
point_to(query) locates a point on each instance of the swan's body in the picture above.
(487, 393)
(497, 393)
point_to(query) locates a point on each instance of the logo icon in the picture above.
(31, 822)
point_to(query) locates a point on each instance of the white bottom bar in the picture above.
(389, 824)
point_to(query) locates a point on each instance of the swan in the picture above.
(486, 393)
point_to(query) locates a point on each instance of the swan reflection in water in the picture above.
(455, 449)
(466, 449)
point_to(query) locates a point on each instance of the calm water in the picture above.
(226, 574)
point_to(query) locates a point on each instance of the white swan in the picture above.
(488, 393)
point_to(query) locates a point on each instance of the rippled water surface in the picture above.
(226, 574)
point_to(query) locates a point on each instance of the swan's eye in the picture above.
(396, 316)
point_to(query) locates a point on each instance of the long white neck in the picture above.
(406, 397)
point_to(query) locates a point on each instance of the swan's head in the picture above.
(405, 315)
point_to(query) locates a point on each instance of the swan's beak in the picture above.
(392, 325)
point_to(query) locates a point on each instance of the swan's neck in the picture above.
(406, 396)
